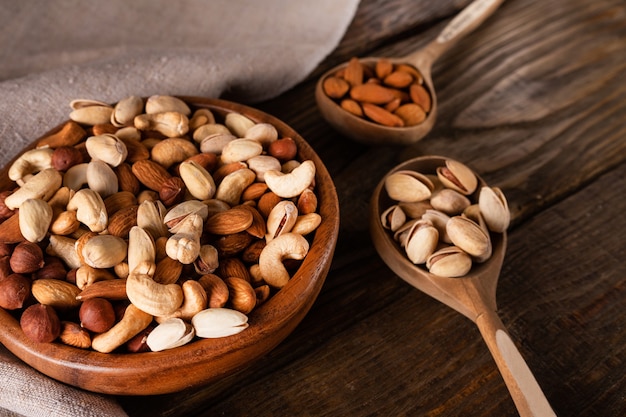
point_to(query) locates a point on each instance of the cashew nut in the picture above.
(42, 185)
(87, 275)
(64, 247)
(31, 162)
(291, 184)
(285, 246)
(194, 301)
(151, 297)
(90, 209)
(76, 176)
(134, 321)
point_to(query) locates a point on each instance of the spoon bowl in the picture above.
(370, 133)
(473, 295)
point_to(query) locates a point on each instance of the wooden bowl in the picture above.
(203, 360)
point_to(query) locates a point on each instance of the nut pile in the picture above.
(143, 225)
(437, 224)
(389, 94)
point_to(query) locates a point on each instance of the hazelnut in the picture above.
(74, 335)
(5, 268)
(97, 315)
(14, 291)
(5, 249)
(53, 269)
(283, 149)
(65, 157)
(139, 342)
(40, 323)
(27, 257)
(172, 191)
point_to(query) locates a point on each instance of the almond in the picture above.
(382, 116)
(420, 96)
(137, 151)
(411, 113)
(372, 93)
(335, 87)
(69, 135)
(10, 230)
(383, 68)
(352, 106)
(118, 201)
(354, 72)
(233, 267)
(150, 174)
(228, 222)
(398, 79)
(127, 181)
(122, 221)
(233, 244)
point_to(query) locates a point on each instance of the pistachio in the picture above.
(169, 334)
(450, 261)
(219, 322)
(468, 235)
(495, 209)
(408, 186)
(458, 176)
(421, 241)
(107, 148)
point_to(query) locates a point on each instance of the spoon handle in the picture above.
(469, 19)
(523, 387)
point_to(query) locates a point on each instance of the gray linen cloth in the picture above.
(53, 51)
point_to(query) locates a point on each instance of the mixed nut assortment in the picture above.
(436, 222)
(389, 94)
(143, 225)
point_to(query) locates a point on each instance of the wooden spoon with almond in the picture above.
(473, 295)
(362, 129)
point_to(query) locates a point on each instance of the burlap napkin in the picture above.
(57, 50)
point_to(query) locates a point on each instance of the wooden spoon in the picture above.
(473, 295)
(369, 133)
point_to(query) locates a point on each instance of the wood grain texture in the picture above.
(534, 101)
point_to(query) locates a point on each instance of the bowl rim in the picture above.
(204, 360)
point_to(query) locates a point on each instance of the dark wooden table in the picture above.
(535, 102)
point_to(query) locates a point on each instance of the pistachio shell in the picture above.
(458, 176)
(170, 333)
(92, 115)
(393, 218)
(219, 322)
(238, 124)
(469, 236)
(125, 111)
(421, 241)
(495, 209)
(408, 186)
(108, 148)
(449, 201)
(162, 104)
(450, 262)
(439, 219)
